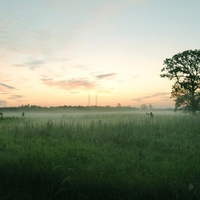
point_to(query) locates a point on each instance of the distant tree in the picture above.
(119, 105)
(144, 107)
(184, 69)
(150, 106)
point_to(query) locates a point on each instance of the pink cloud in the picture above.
(70, 84)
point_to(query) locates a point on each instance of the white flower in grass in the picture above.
(190, 187)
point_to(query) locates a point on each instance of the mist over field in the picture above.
(76, 113)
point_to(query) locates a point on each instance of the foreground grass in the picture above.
(100, 157)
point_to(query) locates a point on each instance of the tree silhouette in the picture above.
(144, 107)
(184, 68)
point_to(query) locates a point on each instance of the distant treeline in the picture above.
(72, 108)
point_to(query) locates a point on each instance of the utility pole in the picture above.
(96, 100)
(88, 99)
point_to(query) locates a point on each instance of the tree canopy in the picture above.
(184, 69)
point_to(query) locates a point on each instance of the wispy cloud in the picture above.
(70, 84)
(16, 97)
(81, 67)
(99, 7)
(6, 86)
(117, 6)
(27, 32)
(31, 64)
(158, 94)
(105, 76)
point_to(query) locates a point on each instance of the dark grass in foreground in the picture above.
(100, 157)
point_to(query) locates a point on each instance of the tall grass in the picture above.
(118, 156)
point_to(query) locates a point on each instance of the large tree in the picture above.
(184, 69)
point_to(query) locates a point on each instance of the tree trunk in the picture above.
(193, 103)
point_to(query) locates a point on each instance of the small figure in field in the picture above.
(23, 114)
(1, 115)
(150, 114)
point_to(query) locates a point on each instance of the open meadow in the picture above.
(100, 156)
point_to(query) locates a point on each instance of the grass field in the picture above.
(100, 156)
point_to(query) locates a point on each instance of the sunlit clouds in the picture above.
(86, 84)
(70, 84)
(4, 86)
(159, 96)
(103, 76)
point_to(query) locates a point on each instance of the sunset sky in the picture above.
(60, 52)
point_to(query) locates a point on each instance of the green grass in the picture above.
(116, 156)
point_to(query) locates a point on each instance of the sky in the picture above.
(92, 52)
